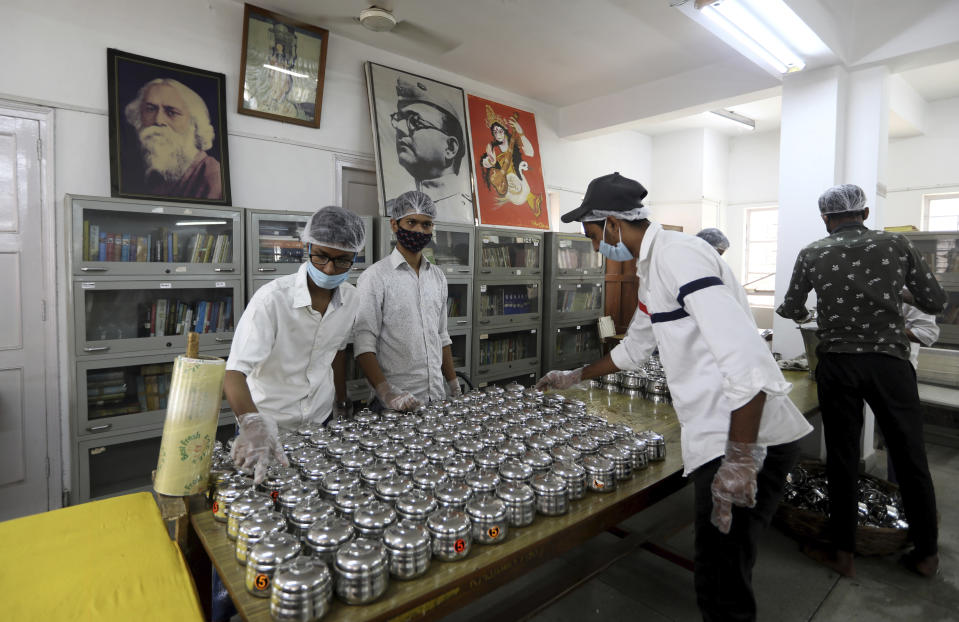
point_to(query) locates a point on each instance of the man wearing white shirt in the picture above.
(740, 431)
(287, 365)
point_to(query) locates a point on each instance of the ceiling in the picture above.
(560, 52)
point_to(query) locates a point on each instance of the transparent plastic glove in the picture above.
(453, 388)
(560, 379)
(257, 446)
(735, 481)
(395, 399)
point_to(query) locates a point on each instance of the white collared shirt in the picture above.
(923, 326)
(402, 320)
(286, 348)
(693, 308)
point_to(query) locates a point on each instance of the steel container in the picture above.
(254, 528)
(483, 481)
(263, 559)
(416, 506)
(293, 495)
(600, 473)
(468, 446)
(407, 463)
(339, 448)
(320, 439)
(429, 477)
(291, 442)
(336, 481)
(354, 461)
(370, 442)
(409, 547)
(391, 488)
(302, 590)
(243, 506)
(488, 516)
(372, 473)
(307, 512)
(515, 470)
(655, 446)
(389, 451)
(520, 502)
(551, 496)
(437, 455)
(371, 519)
(361, 571)
(538, 459)
(451, 532)
(584, 444)
(565, 453)
(637, 451)
(314, 470)
(303, 455)
(575, 477)
(459, 466)
(226, 494)
(513, 448)
(453, 494)
(349, 499)
(327, 535)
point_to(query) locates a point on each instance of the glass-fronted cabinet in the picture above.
(459, 311)
(508, 252)
(941, 252)
(948, 320)
(113, 316)
(451, 247)
(571, 345)
(138, 238)
(527, 380)
(505, 352)
(574, 299)
(571, 254)
(460, 349)
(125, 393)
(505, 302)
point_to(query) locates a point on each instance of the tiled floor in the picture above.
(789, 587)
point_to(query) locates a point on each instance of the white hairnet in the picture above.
(843, 198)
(637, 213)
(335, 227)
(715, 237)
(410, 202)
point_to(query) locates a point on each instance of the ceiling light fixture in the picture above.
(735, 117)
(761, 28)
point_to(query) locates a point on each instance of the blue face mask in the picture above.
(614, 253)
(322, 279)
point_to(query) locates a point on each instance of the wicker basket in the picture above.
(810, 527)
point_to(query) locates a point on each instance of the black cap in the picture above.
(613, 193)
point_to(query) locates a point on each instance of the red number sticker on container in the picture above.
(459, 546)
(493, 532)
(216, 507)
(598, 484)
(261, 582)
(275, 494)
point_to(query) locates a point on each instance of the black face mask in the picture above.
(413, 241)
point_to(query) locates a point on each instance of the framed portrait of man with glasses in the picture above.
(420, 141)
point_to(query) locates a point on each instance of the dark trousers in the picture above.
(888, 385)
(724, 562)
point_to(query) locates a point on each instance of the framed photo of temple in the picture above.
(420, 142)
(282, 67)
(509, 173)
(168, 136)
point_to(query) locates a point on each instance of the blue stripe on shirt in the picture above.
(685, 290)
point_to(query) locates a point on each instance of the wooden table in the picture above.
(449, 585)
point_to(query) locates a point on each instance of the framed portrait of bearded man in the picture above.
(509, 172)
(420, 141)
(282, 67)
(168, 138)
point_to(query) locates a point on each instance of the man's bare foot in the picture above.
(837, 561)
(926, 566)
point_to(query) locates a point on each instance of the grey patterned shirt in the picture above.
(858, 275)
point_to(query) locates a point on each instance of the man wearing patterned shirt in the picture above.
(863, 352)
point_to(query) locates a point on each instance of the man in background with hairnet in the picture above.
(401, 341)
(716, 238)
(863, 352)
(287, 361)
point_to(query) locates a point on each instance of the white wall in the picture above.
(923, 165)
(55, 54)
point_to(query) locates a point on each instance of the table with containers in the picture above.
(411, 515)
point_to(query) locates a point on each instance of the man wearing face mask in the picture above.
(740, 431)
(402, 344)
(287, 362)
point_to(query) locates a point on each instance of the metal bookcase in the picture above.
(274, 248)
(575, 299)
(527, 380)
(506, 351)
(506, 253)
(941, 252)
(451, 248)
(142, 275)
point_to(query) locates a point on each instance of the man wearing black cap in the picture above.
(740, 432)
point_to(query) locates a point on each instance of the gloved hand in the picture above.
(559, 379)
(394, 399)
(453, 388)
(257, 446)
(735, 481)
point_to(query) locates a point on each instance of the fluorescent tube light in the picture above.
(738, 21)
(199, 223)
(735, 117)
(286, 71)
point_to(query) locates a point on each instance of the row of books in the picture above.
(174, 317)
(575, 344)
(510, 257)
(109, 392)
(159, 246)
(578, 300)
(279, 248)
(507, 301)
(570, 258)
(454, 306)
(505, 349)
